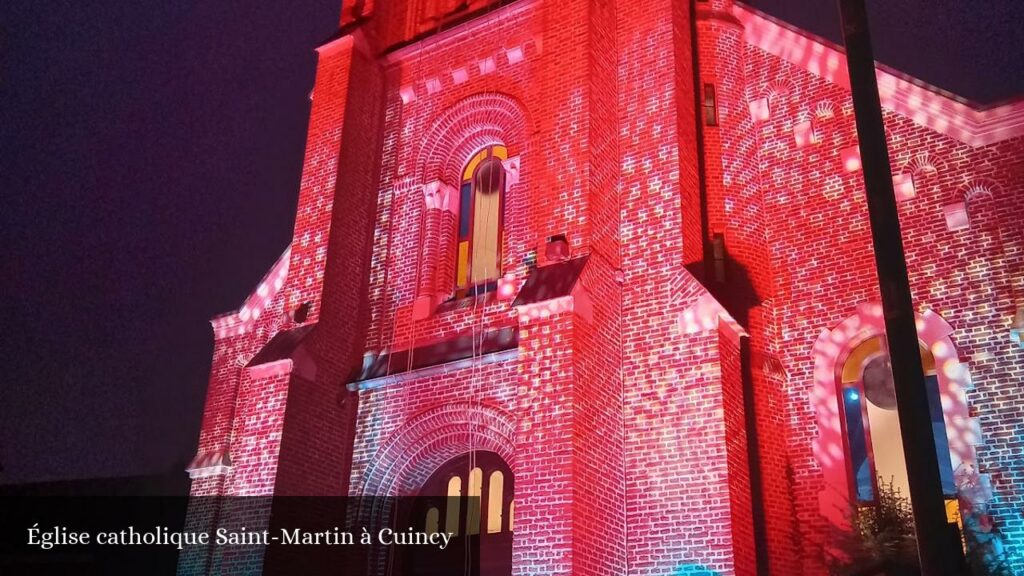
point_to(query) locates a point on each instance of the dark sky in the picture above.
(150, 155)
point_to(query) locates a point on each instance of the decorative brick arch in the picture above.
(469, 125)
(830, 351)
(421, 445)
(459, 132)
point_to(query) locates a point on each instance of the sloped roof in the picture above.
(551, 281)
(281, 345)
(922, 103)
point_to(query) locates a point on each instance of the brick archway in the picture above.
(467, 126)
(829, 351)
(408, 458)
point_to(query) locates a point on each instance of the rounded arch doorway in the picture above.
(470, 497)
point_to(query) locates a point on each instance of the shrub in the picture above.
(880, 540)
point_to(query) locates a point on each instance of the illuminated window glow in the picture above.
(476, 481)
(451, 519)
(871, 424)
(495, 499)
(430, 525)
(481, 205)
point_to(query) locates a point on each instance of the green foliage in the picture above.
(985, 553)
(880, 540)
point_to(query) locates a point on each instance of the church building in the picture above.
(607, 266)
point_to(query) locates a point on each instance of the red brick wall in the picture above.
(678, 511)
(253, 417)
(598, 476)
(554, 101)
(821, 250)
(737, 455)
(627, 436)
(735, 212)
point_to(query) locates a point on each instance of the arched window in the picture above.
(471, 503)
(495, 502)
(481, 206)
(430, 524)
(451, 522)
(476, 483)
(871, 428)
(471, 497)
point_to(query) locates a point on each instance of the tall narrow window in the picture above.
(871, 425)
(430, 524)
(451, 519)
(495, 501)
(861, 465)
(478, 486)
(481, 203)
(710, 105)
(476, 480)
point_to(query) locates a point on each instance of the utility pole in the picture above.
(938, 555)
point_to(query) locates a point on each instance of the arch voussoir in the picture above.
(433, 437)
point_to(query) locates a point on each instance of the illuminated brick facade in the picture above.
(672, 403)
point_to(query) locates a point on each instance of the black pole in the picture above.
(937, 555)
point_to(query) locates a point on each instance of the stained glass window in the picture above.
(481, 205)
(873, 437)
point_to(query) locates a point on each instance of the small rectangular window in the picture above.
(710, 105)
(718, 253)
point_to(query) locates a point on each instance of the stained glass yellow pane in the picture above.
(855, 363)
(495, 497)
(451, 521)
(486, 217)
(473, 162)
(430, 524)
(953, 511)
(461, 275)
(476, 480)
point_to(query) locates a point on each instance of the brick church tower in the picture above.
(607, 266)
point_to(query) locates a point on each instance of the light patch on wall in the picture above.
(903, 185)
(956, 216)
(514, 55)
(803, 134)
(408, 94)
(507, 287)
(760, 110)
(851, 158)
(487, 66)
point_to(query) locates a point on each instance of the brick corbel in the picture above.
(440, 196)
(511, 171)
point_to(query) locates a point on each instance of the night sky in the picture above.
(150, 155)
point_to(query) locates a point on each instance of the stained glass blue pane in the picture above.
(859, 462)
(941, 440)
(465, 195)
